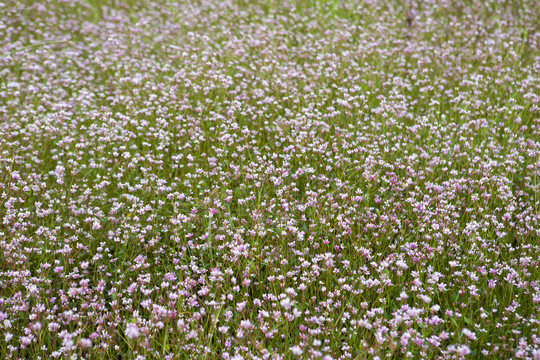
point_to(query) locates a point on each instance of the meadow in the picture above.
(270, 179)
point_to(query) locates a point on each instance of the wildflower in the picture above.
(296, 350)
(463, 350)
(286, 303)
(132, 331)
(471, 335)
(85, 343)
(181, 324)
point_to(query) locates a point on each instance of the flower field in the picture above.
(269, 179)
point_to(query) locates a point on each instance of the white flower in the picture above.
(286, 303)
(296, 350)
(181, 324)
(468, 333)
(463, 350)
(85, 343)
(132, 331)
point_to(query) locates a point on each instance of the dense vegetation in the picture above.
(269, 179)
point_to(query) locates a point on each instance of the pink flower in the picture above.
(132, 331)
(286, 303)
(463, 350)
(85, 343)
(471, 335)
(296, 350)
